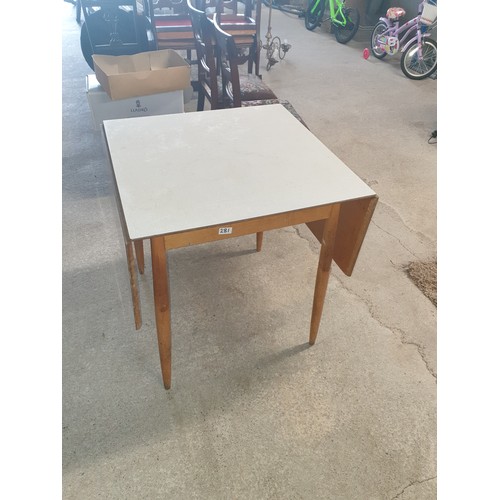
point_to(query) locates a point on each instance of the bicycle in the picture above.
(344, 22)
(283, 6)
(418, 53)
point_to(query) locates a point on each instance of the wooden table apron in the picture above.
(340, 228)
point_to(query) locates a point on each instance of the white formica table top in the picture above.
(186, 171)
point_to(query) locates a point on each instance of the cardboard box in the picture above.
(142, 74)
(103, 108)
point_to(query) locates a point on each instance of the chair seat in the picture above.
(244, 41)
(283, 102)
(179, 23)
(237, 22)
(172, 30)
(181, 42)
(175, 31)
(253, 88)
(238, 25)
(175, 35)
(237, 19)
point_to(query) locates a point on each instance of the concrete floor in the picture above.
(254, 412)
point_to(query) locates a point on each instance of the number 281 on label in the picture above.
(225, 230)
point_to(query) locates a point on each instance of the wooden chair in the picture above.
(208, 85)
(209, 80)
(172, 30)
(234, 93)
(243, 26)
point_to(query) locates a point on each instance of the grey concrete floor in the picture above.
(254, 412)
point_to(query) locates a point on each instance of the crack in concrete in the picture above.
(312, 246)
(412, 484)
(401, 333)
(400, 217)
(396, 238)
(420, 350)
(371, 308)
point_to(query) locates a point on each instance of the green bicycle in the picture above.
(344, 22)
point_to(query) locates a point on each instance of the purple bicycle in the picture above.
(412, 39)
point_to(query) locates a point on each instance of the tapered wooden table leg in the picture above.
(162, 306)
(260, 237)
(136, 301)
(323, 273)
(139, 254)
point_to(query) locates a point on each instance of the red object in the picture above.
(366, 53)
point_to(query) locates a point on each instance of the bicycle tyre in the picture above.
(313, 20)
(344, 34)
(277, 4)
(288, 8)
(97, 27)
(380, 27)
(418, 70)
(292, 9)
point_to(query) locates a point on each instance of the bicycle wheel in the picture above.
(288, 8)
(414, 67)
(292, 9)
(314, 13)
(345, 33)
(380, 28)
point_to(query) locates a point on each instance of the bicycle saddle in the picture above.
(395, 13)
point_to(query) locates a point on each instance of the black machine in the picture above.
(114, 27)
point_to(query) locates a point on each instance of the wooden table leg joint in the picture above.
(139, 255)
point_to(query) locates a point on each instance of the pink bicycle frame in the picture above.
(408, 28)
